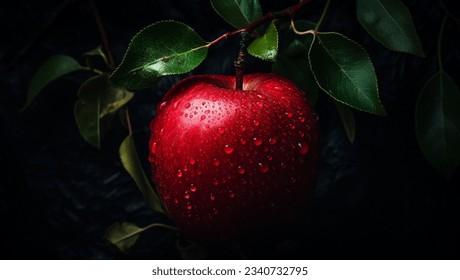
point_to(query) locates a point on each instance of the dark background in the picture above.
(376, 199)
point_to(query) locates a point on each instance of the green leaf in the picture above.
(54, 68)
(132, 164)
(97, 104)
(123, 235)
(390, 23)
(238, 13)
(266, 46)
(437, 123)
(343, 69)
(163, 48)
(296, 69)
(348, 120)
(97, 52)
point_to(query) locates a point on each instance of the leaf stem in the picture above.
(92, 70)
(321, 19)
(128, 121)
(105, 41)
(311, 31)
(441, 31)
(446, 10)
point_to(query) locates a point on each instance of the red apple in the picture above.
(227, 161)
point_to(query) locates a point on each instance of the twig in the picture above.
(105, 41)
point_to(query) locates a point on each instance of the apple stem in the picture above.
(240, 61)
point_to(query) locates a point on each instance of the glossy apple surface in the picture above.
(228, 161)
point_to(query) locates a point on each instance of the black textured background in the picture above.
(376, 199)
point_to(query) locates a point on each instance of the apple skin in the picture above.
(226, 162)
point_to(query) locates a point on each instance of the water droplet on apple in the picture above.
(289, 114)
(303, 147)
(302, 119)
(257, 141)
(215, 182)
(189, 207)
(292, 126)
(260, 96)
(273, 140)
(263, 167)
(192, 188)
(162, 105)
(212, 197)
(243, 141)
(220, 130)
(255, 122)
(241, 170)
(228, 149)
(176, 201)
(216, 162)
(153, 147)
(176, 104)
(278, 88)
(215, 211)
(302, 134)
(231, 194)
(192, 161)
(187, 105)
(243, 128)
(179, 173)
(260, 104)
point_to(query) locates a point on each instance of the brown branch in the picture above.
(105, 41)
(288, 12)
